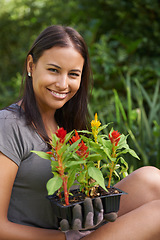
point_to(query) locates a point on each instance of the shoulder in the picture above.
(11, 114)
(16, 138)
(12, 120)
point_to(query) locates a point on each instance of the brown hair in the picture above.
(73, 115)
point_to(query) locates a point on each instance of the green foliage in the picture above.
(108, 155)
(123, 38)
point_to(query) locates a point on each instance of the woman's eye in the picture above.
(74, 74)
(53, 70)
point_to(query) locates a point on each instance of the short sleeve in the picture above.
(11, 139)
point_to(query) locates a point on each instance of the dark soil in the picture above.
(78, 196)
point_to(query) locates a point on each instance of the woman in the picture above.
(57, 74)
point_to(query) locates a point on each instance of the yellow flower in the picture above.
(95, 125)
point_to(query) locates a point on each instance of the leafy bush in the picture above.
(123, 38)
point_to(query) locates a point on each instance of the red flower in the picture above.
(82, 151)
(114, 137)
(74, 138)
(61, 133)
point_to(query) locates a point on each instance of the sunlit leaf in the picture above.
(54, 184)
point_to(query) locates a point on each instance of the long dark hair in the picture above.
(74, 114)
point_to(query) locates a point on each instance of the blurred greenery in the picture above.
(123, 39)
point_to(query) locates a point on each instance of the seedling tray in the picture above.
(110, 203)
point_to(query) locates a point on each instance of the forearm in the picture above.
(13, 231)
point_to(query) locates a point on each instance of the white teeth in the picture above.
(59, 94)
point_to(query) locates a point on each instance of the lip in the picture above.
(57, 94)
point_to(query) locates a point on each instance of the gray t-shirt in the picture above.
(28, 204)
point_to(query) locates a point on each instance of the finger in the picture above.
(64, 225)
(77, 217)
(88, 213)
(110, 217)
(98, 211)
(98, 204)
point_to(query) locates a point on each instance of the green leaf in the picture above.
(133, 153)
(97, 175)
(108, 153)
(68, 136)
(124, 162)
(103, 127)
(130, 151)
(116, 174)
(54, 184)
(101, 152)
(119, 105)
(62, 149)
(123, 142)
(74, 163)
(81, 177)
(86, 139)
(70, 149)
(54, 164)
(85, 131)
(54, 139)
(71, 178)
(43, 155)
(94, 157)
(106, 143)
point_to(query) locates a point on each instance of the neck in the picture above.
(49, 123)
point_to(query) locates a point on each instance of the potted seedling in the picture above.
(80, 158)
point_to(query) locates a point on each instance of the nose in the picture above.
(62, 82)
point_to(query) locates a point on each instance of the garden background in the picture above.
(124, 44)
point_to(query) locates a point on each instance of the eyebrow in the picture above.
(54, 65)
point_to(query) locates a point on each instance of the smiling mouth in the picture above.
(56, 94)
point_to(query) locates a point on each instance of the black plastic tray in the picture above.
(110, 203)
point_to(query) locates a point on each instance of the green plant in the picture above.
(140, 111)
(110, 147)
(62, 157)
(75, 157)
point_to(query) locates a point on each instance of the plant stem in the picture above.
(66, 194)
(99, 161)
(110, 175)
(62, 175)
(113, 165)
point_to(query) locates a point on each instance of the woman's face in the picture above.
(56, 77)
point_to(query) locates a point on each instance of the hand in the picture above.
(94, 216)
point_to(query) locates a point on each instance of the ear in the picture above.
(29, 63)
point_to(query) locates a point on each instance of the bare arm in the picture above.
(13, 231)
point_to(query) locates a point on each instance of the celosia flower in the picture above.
(74, 138)
(61, 133)
(82, 151)
(114, 137)
(95, 125)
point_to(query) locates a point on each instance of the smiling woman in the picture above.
(56, 77)
(59, 67)
(56, 81)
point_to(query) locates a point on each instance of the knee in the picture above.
(154, 206)
(149, 176)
